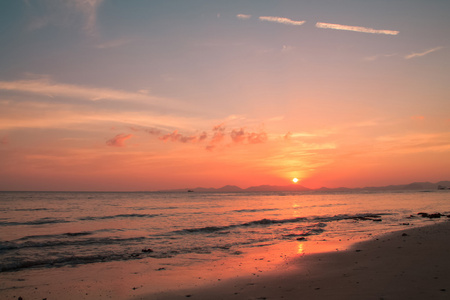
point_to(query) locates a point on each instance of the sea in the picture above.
(51, 230)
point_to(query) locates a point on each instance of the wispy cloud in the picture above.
(355, 28)
(281, 20)
(241, 136)
(219, 135)
(379, 56)
(243, 16)
(89, 10)
(414, 143)
(257, 137)
(217, 138)
(118, 140)
(417, 118)
(45, 104)
(151, 131)
(46, 87)
(412, 55)
(175, 136)
(113, 43)
(296, 135)
(65, 13)
(287, 48)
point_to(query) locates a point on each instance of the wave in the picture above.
(314, 229)
(255, 210)
(62, 261)
(62, 235)
(14, 245)
(92, 218)
(15, 264)
(153, 208)
(18, 262)
(41, 221)
(268, 222)
(357, 217)
(31, 209)
(220, 228)
(83, 247)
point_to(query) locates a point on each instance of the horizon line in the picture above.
(213, 188)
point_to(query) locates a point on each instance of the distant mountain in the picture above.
(276, 188)
(413, 186)
(224, 189)
(299, 188)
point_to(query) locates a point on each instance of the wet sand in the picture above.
(407, 264)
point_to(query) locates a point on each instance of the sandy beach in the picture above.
(406, 264)
(411, 263)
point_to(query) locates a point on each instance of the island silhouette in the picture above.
(415, 186)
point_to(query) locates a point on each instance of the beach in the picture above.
(223, 246)
(406, 264)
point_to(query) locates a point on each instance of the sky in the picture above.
(108, 95)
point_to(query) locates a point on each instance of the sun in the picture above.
(295, 180)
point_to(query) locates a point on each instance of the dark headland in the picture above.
(415, 186)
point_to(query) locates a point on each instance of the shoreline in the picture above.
(412, 263)
(408, 263)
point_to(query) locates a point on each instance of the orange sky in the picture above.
(106, 96)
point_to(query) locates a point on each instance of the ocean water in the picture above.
(46, 230)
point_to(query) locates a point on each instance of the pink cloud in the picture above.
(257, 137)
(152, 131)
(220, 127)
(203, 136)
(210, 147)
(118, 140)
(219, 136)
(178, 137)
(174, 137)
(238, 136)
(288, 136)
(418, 118)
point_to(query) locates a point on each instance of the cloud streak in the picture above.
(118, 140)
(219, 135)
(177, 137)
(287, 21)
(113, 43)
(243, 16)
(89, 10)
(281, 20)
(355, 28)
(418, 118)
(66, 13)
(48, 88)
(240, 136)
(412, 55)
(63, 91)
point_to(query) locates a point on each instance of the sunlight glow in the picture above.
(295, 180)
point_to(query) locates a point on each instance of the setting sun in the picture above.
(295, 180)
